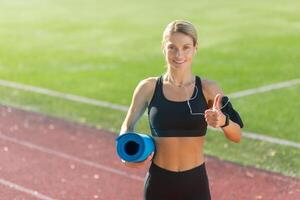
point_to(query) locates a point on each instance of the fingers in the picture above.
(134, 164)
(213, 118)
(139, 164)
(211, 113)
(212, 121)
(217, 102)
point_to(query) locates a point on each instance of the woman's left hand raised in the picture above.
(214, 116)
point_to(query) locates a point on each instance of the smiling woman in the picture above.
(179, 46)
(180, 106)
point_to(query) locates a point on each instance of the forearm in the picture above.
(233, 132)
(125, 128)
(131, 119)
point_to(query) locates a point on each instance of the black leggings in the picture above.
(162, 184)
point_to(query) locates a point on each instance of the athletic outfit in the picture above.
(173, 119)
(162, 184)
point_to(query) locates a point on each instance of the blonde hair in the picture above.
(180, 26)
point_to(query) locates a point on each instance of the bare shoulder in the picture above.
(210, 89)
(210, 85)
(148, 83)
(146, 87)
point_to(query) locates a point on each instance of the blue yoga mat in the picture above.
(134, 147)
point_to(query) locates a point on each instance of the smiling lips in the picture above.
(178, 62)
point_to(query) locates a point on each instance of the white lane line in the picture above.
(265, 138)
(61, 95)
(269, 139)
(105, 104)
(265, 88)
(25, 190)
(70, 157)
(125, 108)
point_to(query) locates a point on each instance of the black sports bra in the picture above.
(172, 118)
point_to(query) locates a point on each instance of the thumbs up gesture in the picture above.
(214, 116)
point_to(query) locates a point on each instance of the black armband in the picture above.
(227, 108)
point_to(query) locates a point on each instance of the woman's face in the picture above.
(179, 50)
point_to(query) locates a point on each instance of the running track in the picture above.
(47, 158)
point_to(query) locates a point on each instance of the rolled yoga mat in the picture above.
(134, 147)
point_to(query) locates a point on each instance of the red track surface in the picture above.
(47, 158)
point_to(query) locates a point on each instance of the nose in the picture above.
(179, 53)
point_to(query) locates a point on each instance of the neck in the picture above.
(179, 78)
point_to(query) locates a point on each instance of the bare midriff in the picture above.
(179, 153)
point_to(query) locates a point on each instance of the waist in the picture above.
(179, 153)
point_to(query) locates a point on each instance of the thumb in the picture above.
(217, 102)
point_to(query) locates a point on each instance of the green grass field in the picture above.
(101, 50)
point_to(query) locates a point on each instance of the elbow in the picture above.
(233, 133)
(237, 138)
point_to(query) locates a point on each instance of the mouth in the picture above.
(178, 61)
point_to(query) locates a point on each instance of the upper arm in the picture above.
(210, 90)
(141, 96)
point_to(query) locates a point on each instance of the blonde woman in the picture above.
(180, 106)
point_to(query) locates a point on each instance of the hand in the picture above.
(214, 116)
(139, 164)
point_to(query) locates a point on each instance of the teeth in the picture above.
(178, 62)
